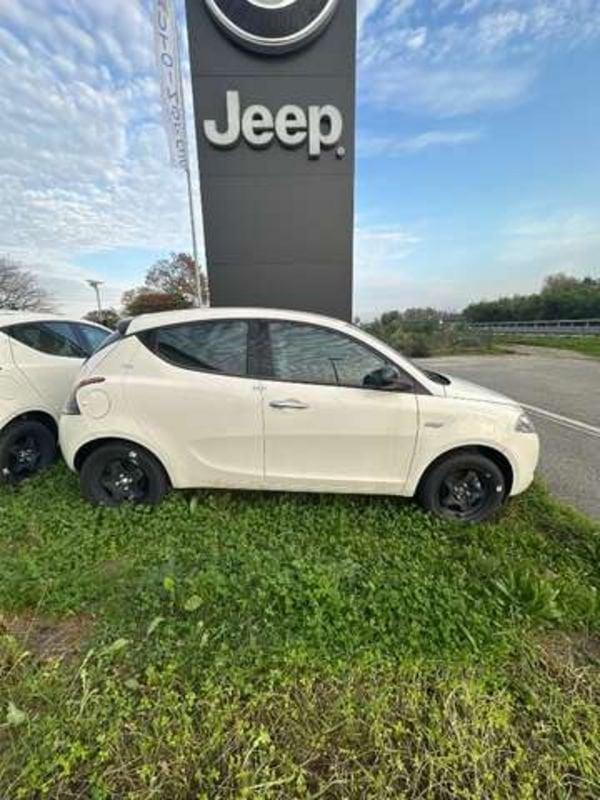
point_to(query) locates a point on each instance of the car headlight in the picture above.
(525, 424)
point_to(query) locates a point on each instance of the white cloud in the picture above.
(365, 9)
(449, 91)
(383, 276)
(84, 158)
(378, 243)
(459, 57)
(83, 152)
(390, 272)
(563, 240)
(369, 146)
(494, 30)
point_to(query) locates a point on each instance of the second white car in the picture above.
(40, 355)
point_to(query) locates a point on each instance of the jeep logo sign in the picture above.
(274, 104)
(320, 126)
(272, 26)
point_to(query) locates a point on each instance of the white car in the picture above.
(281, 400)
(40, 356)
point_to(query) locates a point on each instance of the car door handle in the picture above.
(295, 405)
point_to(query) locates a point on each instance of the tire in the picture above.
(120, 473)
(26, 448)
(465, 487)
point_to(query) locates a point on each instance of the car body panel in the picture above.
(448, 424)
(49, 376)
(346, 438)
(31, 381)
(460, 389)
(214, 422)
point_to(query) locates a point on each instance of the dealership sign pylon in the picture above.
(274, 97)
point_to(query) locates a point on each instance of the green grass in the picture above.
(588, 345)
(237, 645)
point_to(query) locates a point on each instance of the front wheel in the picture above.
(26, 447)
(467, 487)
(122, 473)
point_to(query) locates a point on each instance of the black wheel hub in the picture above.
(23, 457)
(465, 492)
(124, 480)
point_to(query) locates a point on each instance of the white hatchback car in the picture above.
(278, 400)
(40, 355)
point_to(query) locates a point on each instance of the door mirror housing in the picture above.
(388, 379)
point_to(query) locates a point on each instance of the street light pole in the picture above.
(96, 286)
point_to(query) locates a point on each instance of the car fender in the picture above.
(20, 411)
(424, 458)
(135, 439)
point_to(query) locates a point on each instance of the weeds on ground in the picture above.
(273, 646)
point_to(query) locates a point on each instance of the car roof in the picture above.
(8, 317)
(149, 321)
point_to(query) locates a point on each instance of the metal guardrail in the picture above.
(543, 327)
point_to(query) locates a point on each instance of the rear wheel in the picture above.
(26, 447)
(467, 487)
(123, 473)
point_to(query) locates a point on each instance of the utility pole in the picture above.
(96, 286)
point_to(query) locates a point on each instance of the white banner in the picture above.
(166, 41)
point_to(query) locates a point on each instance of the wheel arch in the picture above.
(492, 453)
(43, 417)
(90, 447)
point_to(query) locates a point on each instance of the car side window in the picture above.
(311, 354)
(219, 346)
(52, 338)
(93, 337)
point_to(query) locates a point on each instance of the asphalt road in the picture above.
(564, 388)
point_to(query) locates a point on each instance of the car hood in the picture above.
(460, 389)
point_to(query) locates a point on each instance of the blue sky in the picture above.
(478, 143)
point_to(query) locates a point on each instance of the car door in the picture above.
(49, 355)
(189, 389)
(10, 381)
(324, 429)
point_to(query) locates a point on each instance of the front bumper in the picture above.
(526, 449)
(71, 436)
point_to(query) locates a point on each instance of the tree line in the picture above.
(170, 284)
(561, 297)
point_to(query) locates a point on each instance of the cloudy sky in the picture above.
(478, 142)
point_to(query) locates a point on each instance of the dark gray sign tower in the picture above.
(274, 96)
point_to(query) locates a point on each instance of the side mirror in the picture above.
(388, 379)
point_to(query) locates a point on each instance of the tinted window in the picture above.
(310, 354)
(220, 346)
(107, 341)
(92, 337)
(54, 338)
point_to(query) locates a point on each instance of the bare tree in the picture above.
(20, 289)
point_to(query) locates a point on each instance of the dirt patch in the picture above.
(46, 637)
(571, 649)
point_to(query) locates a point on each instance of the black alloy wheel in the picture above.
(120, 472)
(26, 448)
(124, 481)
(466, 487)
(465, 492)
